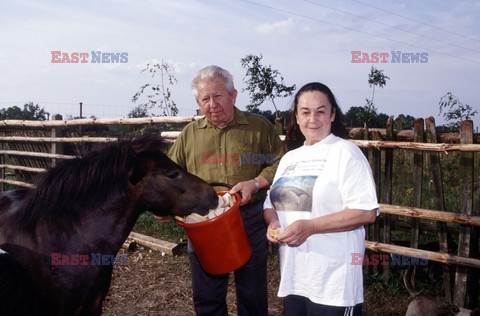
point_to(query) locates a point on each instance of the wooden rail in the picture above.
(34, 154)
(429, 255)
(97, 121)
(378, 144)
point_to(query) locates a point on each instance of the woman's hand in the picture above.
(273, 226)
(296, 233)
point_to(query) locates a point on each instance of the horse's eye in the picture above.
(173, 174)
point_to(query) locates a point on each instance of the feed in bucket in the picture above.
(220, 243)
(225, 202)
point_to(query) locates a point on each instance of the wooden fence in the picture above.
(22, 154)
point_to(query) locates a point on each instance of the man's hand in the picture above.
(246, 189)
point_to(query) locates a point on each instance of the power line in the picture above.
(391, 26)
(355, 30)
(417, 21)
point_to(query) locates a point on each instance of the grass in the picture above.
(146, 224)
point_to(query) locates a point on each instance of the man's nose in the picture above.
(213, 103)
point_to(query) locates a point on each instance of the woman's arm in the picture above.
(296, 233)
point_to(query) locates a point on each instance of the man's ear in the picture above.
(234, 96)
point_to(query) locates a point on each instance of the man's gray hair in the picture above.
(210, 73)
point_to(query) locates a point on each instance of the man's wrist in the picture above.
(257, 185)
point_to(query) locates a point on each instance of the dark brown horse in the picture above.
(81, 207)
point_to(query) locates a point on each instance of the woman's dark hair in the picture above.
(294, 137)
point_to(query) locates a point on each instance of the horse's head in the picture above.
(164, 188)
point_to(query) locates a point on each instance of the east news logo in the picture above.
(96, 57)
(396, 57)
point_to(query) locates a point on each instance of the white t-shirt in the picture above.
(329, 176)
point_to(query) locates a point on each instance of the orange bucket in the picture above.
(221, 243)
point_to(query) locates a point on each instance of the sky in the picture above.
(305, 41)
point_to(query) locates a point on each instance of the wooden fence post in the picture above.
(387, 192)
(365, 137)
(57, 148)
(473, 286)
(417, 179)
(2, 170)
(474, 274)
(466, 171)
(436, 169)
(376, 154)
(417, 186)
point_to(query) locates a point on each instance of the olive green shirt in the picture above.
(246, 148)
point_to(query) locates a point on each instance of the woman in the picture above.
(322, 195)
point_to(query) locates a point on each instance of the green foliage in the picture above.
(158, 94)
(263, 82)
(140, 110)
(403, 122)
(381, 120)
(146, 224)
(455, 110)
(376, 78)
(29, 112)
(368, 114)
(356, 116)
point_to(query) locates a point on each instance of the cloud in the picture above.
(283, 27)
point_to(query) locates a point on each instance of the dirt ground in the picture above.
(152, 284)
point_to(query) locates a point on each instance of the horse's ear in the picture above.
(138, 170)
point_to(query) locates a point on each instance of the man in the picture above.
(241, 149)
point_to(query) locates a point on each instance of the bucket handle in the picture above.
(220, 184)
(223, 184)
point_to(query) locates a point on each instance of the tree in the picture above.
(161, 95)
(262, 82)
(357, 116)
(29, 112)
(381, 120)
(376, 78)
(455, 110)
(403, 122)
(369, 114)
(139, 111)
(351, 117)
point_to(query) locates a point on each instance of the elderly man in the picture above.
(241, 149)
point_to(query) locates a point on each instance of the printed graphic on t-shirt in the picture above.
(293, 193)
(308, 166)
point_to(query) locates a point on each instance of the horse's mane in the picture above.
(78, 184)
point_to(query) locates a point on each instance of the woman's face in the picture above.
(314, 116)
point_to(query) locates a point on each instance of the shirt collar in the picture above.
(238, 118)
(327, 139)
